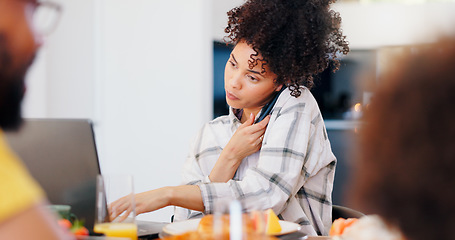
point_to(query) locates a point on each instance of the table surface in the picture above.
(157, 226)
(118, 238)
(291, 236)
(101, 238)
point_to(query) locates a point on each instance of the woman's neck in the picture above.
(247, 112)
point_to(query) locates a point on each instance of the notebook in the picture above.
(61, 155)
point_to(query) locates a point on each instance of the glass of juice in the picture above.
(115, 206)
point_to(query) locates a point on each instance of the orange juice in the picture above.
(117, 229)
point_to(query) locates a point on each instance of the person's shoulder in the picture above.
(304, 102)
(23, 191)
(224, 119)
(213, 125)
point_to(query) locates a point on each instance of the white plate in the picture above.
(177, 228)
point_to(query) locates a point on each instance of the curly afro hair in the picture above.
(296, 38)
(406, 163)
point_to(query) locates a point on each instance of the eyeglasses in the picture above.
(46, 16)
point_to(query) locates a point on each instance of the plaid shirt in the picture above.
(292, 173)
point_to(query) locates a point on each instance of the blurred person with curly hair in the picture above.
(285, 161)
(405, 169)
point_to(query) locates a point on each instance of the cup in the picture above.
(62, 211)
(254, 227)
(221, 219)
(232, 220)
(109, 189)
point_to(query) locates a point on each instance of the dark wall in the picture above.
(344, 144)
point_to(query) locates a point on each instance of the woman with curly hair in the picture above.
(283, 162)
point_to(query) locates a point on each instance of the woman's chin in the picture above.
(233, 104)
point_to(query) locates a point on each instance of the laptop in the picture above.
(61, 155)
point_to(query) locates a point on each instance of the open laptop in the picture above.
(61, 155)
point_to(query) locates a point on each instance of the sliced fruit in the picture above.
(340, 224)
(65, 223)
(272, 223)
(82, 231)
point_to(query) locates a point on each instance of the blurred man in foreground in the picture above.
(22, 202)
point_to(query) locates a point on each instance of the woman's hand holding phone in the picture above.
(246, 140)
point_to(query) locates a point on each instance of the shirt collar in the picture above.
(234, 117)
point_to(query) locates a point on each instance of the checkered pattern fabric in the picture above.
(292, 173)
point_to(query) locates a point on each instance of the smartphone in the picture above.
(269, 106)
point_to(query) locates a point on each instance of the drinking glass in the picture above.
(231, 220)
(257, 216)
(221, 219)
(110, 188)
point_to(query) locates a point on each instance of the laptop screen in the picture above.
(61, 155)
